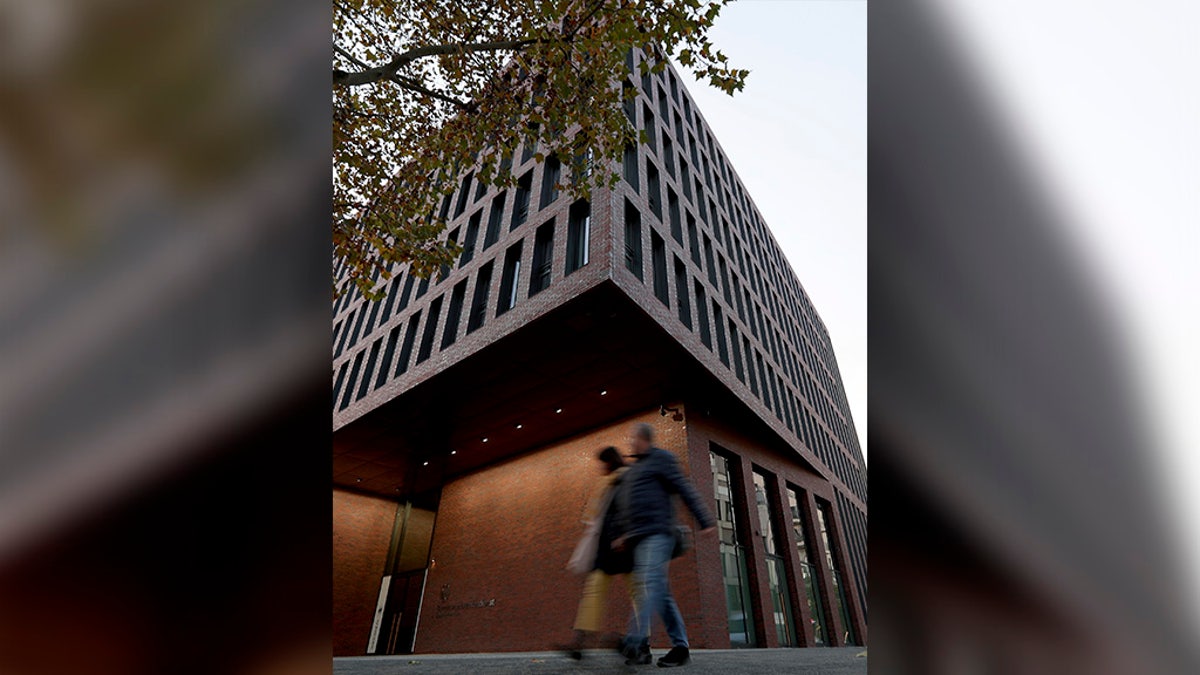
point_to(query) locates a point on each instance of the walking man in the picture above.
(648, 515)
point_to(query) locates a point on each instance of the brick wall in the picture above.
(506, 532)
(362, 532)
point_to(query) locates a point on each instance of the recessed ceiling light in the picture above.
(604, 392)
(454, 452)
(425, 464)
(520, 425)
(357, 480)
(485, 439)
(558, 410)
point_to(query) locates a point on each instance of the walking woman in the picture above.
(594, 556)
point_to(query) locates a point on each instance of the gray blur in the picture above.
(1014, 524)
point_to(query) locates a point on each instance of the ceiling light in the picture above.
(426, 463)
(485, 439)
(454, 452)
(558, 410)
(357, 480)
(603, 393)
(520, 425)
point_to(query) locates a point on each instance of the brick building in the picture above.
(468, 410)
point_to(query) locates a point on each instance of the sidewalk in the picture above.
(812, 661)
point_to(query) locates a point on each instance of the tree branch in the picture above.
(388, 70)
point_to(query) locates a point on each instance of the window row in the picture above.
(353, 379)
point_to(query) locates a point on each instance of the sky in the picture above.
(797, 137)
(1107, 121)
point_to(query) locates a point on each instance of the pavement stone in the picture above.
(814, 661)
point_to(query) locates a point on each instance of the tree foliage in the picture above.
(424, 90)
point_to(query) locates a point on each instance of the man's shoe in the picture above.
(678, 656)
(637, 657)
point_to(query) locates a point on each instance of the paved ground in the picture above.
(815, 661)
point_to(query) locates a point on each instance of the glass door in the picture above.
(777, 581)
(733, 556)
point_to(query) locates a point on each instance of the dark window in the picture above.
(543, 258)
(653, 194)
(684, 180)
(700, 201)
(687, 108)
(454, 314)
(681, 294)
(349, 391)
(444, 211)
(431, 323)
(658, 253)
(341, 378)
(345, 335)
(628, 95)
(750, 366)
(479, 298)
(371, 318)
(719, 324)
(510, 278)
(521, 203)
(527, 150)
(631, 167)
(762, 377)
(464, 194)
(446, 269)
(702, 309)
(404, 297)
(679, 130)
(362, 314)
(388, 352)
(579, 235)
(337, 329)
(708, 259)
(668, 155)
(365, 385)
(663, 106)
(392, 292)
(550, 174)
(422, 288)
(673, 215)
(468, 252)
(649, 127)
(725, 282)
(674, 88)
(480, 189)
(410, 338)
(734, 338)
(692, 147)
(633, 239)
(693, 240)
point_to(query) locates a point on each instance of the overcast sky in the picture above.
(797, 137)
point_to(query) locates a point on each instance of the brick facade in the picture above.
(362, 532)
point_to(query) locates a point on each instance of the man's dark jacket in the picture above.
(645, 498)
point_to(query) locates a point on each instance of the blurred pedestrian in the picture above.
(595, 555)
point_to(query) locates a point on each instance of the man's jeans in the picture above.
(651, 557)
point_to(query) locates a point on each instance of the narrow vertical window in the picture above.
(684, 180)
(628, 95)
(447, 268)
(337, 385)
(543, 258)
(431, 324)
(778, 584)
(454, 313)
(702, 318)
(410, 338)
(479, 299)
(650, 128)
(422, 288)
(579, 234)
(750, 367)
(824, 523)
(633, 240)
(658, 254)
(673, 215)
(365, 385)
(668, 155)
(348, 393)
(733, 553)
(371, 318)
(708, 259)
(653, 194)
(630, 165)
(388, 352)
(551, 173)
(362, 314)
(693, 240)
(404, 296)
(472, 236)
(734, 339)
(509, 278)
(345, 335)
(808, 570)
(681, 294)
(663, 106)
(719, 324)
(464, 193)
(521, 200)
(495, 215)
(725, 282)
(392, 292)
